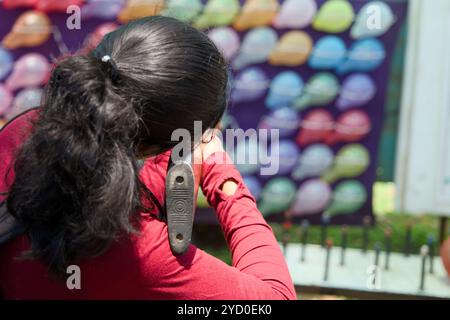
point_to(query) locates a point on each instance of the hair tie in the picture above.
(114, 71)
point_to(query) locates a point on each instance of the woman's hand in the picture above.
(229, 187)
(214, 145)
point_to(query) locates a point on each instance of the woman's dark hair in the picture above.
(77, 186)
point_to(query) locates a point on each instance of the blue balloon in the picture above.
(250, 84)
(104, 9)
(285, 87)
(253, 185)
(6, 62)
(328, 53)
(247, 156)
(286, 157)
(364, 55)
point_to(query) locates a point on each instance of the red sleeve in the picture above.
(12, 135)
(259, 270)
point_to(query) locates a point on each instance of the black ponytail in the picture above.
(76, 179)
(77, 186)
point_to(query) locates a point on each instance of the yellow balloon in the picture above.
(218, 13)
(256, 13)
(136, 9)
(31, 29)
(334, 16)
(292, 50)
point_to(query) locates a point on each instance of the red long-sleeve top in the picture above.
(142, 266)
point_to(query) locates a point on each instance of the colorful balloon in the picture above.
(56, 6)
(277, 196)
(328, 53)
(286, 153)
(32, 69)
(6, 62)
(320, 90)
(295, 14)
(32, 28)
(285, 120)
(2, 123)
(357, 90)
(202, 202)
(256, 13)
(94, 39)
(136, 9)
(314, 161)
(183, 10)
(256, 47)
(315, 127)
(25, 100)
(334, 16)
(103, 9)
(445, 255)
(6, 99)
(250, 84)
(292, 50)
(364, 55)
(312, 197)
(246, 156)
(253, 185)
(351, 161)
(218, 13)
(348, 197)
(285, 87)
(351, 126)
(374, 19)
(227, 40)
(13, 4)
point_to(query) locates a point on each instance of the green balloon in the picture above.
(320, 90)
(202, 202)
(218, 13)
(334, 16)
(363, 27)
(183, 10)
(277, 196)
(348, 197)
(351, 161)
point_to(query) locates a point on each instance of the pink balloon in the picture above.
(295, 14)
(32, 69)
(351, 126)
(315, 127)
(25, 100)
(6, 99)
(312, 197)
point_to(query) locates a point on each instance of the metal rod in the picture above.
(424, 251)
(344, 239)
(329, 245)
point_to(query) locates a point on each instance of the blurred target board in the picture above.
(316, 70)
